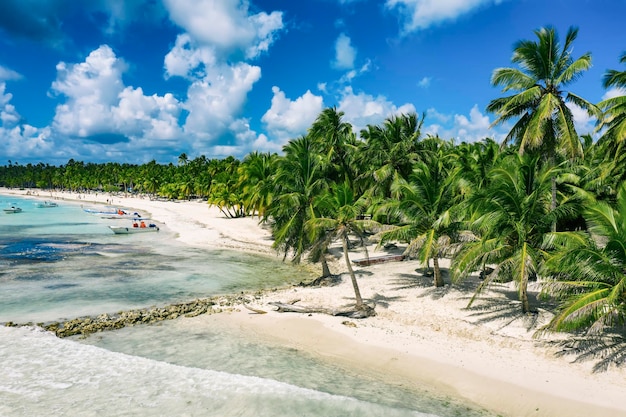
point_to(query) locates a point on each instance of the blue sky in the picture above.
(132, 81)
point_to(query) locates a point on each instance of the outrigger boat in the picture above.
(99, 210)
(135, 228)
(12, 210)
(121, 214)
(47, 204)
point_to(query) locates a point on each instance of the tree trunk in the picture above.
(325, 269)
(553, 201)
(355, 284)
(523, 295)
(437, 272)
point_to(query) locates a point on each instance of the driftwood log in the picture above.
(355, 313)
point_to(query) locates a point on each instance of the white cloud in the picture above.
(583, 123)
(91, 88)
(614, 92)
(8, 115)
(98, 103)
(287, 119)
(345, 53)
(151, 117)
(424, 82)
(363, 109)
(8, 74)
(187, 60)
(17, 140)
(476, 122)
(432, 113)
(213, 101)
(226, 25)
(350, 75)
(421, 14)
(460, 127)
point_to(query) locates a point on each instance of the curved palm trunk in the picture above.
(355, 284)
(437, 272)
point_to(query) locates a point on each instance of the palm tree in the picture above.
(425, 206)
(589, 272)
(514, 218)
(298, 180)
(334, 138)
(545, 123)
(389, 152)
(255, 175)
(340, 211)
(473, 162)
(614, 111)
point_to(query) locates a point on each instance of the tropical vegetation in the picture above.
(545, 205)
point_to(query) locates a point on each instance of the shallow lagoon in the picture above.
(62, 263)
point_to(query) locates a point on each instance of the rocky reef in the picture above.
(88, 325)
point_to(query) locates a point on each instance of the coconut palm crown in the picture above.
(544, 121)
(614, 120)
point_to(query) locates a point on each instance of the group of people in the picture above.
(141, 224)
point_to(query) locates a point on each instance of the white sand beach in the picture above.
(486, 355)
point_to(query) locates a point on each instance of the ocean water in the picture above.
(61, 262)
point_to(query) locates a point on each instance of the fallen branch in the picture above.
(256, 310)
(360, 313)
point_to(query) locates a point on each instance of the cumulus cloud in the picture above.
(188, 60)
(226, 25)
(8, 115)
(287, 119)
(99, 107)
(432, 113)
(213, 101)
(421, 14)
(362, 109)
(91, 88)
(462, 128)
(345, 53)
(16, 138)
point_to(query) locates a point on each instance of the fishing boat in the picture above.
(135, 228)
(12, 210)
(47, 204)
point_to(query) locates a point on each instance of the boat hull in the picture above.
(122, 230)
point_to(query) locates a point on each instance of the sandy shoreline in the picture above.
(420, 335)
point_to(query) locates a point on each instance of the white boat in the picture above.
(47, 204)
(125, 215)
(135, 228)
(12, 210)
(99, 210)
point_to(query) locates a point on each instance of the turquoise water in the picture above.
(62, 262)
